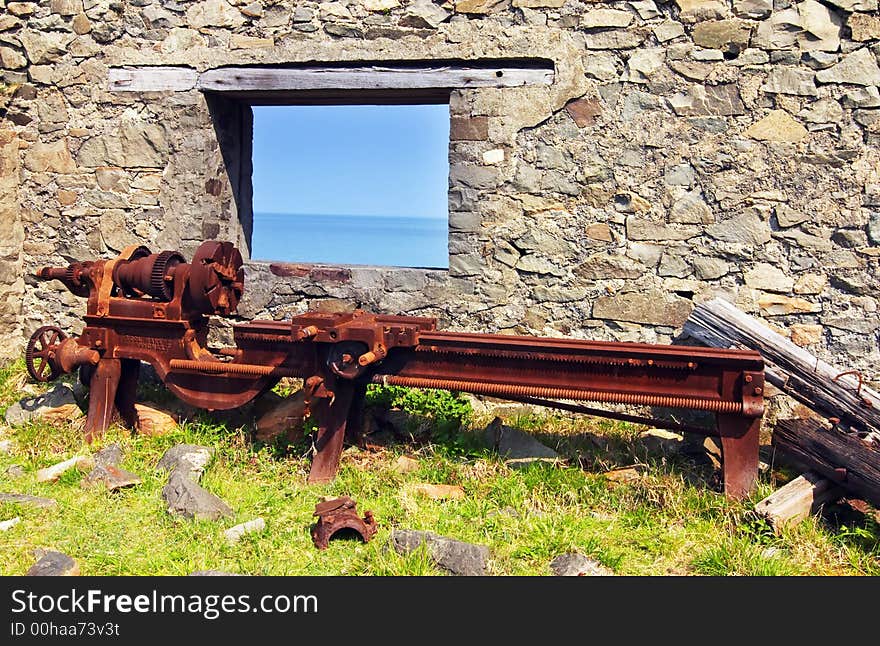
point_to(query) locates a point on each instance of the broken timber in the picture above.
(799, 498)
(843, 458)
(827, 389)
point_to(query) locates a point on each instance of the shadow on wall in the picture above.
(234, 125)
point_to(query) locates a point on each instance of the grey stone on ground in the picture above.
(51, 563)
(575, 564)
(109, 456)
(456, 557)
(517, 447)
(24, 499)
(29, 408)
(107, 470)
(188, 459)
(15, 471)
(213, 573)
(234, 534)
(6, 525)
(186, 498)
(112, 477)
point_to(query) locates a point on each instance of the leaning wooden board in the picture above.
(830, 390)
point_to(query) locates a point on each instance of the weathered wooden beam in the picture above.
(244, 79)
(152, 79)
(845, 459)
(831, 390)
(268, 79)
(792, 503)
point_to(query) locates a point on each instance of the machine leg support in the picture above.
(331, 415)
(102, 398)
(739, 453)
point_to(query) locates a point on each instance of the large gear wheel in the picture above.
(40, 353)
(159, 287)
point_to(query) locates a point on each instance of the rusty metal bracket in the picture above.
(338, 514)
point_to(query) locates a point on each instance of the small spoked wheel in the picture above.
(40, 354)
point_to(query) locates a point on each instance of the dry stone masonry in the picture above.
(685, 150)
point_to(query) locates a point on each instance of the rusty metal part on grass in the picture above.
(339, 514)
(152, 307)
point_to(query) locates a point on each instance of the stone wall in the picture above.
(685, 150)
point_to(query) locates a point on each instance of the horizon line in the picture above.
(357, 215)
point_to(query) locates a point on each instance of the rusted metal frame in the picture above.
(338, 354)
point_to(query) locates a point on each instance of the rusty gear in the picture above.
(39, 355)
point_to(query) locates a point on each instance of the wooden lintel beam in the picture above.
(262, 79)
(152, 79)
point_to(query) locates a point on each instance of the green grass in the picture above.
(671, 521)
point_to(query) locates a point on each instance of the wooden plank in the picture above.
(795, 501)
(845, 459)
(823, 387)
(152, 79)
(244, 79)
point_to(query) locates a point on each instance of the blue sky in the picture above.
(352, 160)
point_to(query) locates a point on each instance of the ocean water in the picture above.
(351, 239)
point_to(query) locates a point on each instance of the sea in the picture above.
(398, 241)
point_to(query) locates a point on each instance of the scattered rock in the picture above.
(51, 563)
(185, 498)
(153, 422)
(657, 440)
(439, 491)
(107, 470)
(24, 499)
(7, 446)
(575, 564)
(517, 447)
(626, 474)
(457, 557)
(15, 471)
(51, 474)
(234, 534)
(406, 464)
(6, 525)
(112, 477)
(285, 417)
(31, 408)
(188, 459)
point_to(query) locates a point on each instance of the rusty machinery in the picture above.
(154, 307)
